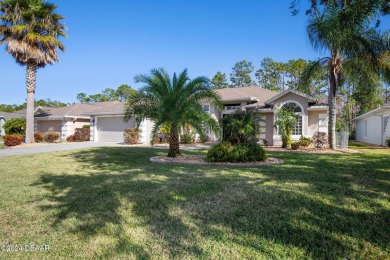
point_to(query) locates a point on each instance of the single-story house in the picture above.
(4, 116)
(312, 116)
(63, 120)
(108, 124)
(373, 127)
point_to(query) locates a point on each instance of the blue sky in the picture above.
(109, 42)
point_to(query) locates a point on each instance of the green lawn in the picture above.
(112, 203)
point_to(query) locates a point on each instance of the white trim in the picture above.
(380, 109)
(111, 113)
(318, 108)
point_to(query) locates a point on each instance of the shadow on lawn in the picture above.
(258, 209)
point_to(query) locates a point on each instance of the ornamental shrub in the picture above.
(251, 152)
(82, 134)
(305, 141)
(15, 126)
(219, 152)
(295, 145)
(86, 126)
(320, 139)
(12, 140)
(187, 139)
(388, 141)
(131, 136)
(51, 137)
(71, 138)
(225, 152)
(38, 137)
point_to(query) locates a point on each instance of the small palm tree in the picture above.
(30, 30)
(176, 102)
(357, 50)
(285, 123)
(240, 127)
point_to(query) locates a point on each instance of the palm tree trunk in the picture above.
(174, 142)
(332, 109)
(31, 81)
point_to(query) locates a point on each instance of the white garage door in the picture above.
(110, 129)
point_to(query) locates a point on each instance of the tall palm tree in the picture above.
(30, 29)
(176, 102)
(357, 49)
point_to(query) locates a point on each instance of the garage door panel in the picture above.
(110, 129)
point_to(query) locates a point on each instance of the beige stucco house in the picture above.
(312, 116)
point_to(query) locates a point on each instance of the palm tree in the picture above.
(176, 102)
(286, 122)
(357, 49)
(30, 30)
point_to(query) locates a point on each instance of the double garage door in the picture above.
(110, 129)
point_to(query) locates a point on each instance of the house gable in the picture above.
(288, 97)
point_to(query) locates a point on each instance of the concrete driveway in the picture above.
(52, 148)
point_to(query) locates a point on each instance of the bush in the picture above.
(225, 152)
(131, 135)
(86, 126)
(15, 126)
(388, 141)
(187, 139)
(38, 137)
(265, 142)
(251, 152)
(296, 145)
(203, 138)
(12, 140)
(320, 139)
(71, 138)
(2, 146)
(305, 141)
(219, 152)
(82, 134)
(51, 137)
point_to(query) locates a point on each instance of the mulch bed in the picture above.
(200, 159)
(311, 150)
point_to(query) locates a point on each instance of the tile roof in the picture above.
(246, 94)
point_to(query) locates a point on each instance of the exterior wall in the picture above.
(270, 128)
(2, 121)
(317, 122)
(377, 131)
(50, 126)
(374, 130)
(146, 131)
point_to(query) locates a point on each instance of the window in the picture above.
(261, 121)
(232, 107)
(206, 108)
(385, 123)
(294, 107)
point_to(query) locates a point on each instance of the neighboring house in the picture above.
(63, 120)
(108, 124)
(374, 127)
(312, 117)
(4, 116)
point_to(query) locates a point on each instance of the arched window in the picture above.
(294, 107)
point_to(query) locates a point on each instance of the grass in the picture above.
(112, 203)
